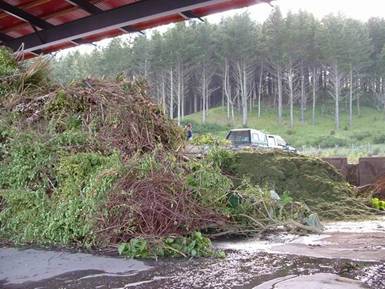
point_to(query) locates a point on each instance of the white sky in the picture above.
(361, 10)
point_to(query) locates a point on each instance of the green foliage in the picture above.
(76, 173)
(136, 248)
(206, 128)
(378, 204)
(23, 218)
(257, 206)
(208, 139)
(195, 245)
(379, 138)
(8, 64)
(28, 163)
(220, 157)
(306, 179)
(5, 134)
(361, 135)
(68, 216)
(329, 141)
(73, 137)
(62, 104)
(210, 186)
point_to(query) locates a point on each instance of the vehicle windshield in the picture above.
(280, 141)
(239, 137)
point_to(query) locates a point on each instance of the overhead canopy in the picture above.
(43, 26)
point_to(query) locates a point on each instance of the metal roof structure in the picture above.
(44, 26)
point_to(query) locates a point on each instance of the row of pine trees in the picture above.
(293, 62)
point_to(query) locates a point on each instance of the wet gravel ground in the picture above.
(373, 276)
(238, 270)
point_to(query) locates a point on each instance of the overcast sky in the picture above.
(351, 8)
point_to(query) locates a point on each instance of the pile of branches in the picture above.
(118, 113)
(155, 205)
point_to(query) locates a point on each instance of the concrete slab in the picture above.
(19, 266)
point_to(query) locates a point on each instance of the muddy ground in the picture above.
(347, 255)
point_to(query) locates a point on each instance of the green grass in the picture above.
(367, 128)
(366, 137)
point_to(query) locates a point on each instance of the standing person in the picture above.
(189, 131)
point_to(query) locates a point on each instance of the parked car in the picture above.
(248, 137)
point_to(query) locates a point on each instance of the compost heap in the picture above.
(306, 179)
(97, 163)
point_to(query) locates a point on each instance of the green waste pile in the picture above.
(96, 164)
(306, 179)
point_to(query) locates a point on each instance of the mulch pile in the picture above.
(306, 179)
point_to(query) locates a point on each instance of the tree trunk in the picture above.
(182, 95)
(171, 94)
(244, 96)
(204, 96)
(337, 96)
(279, 84)
(226, 88)
(291, 95)
(314, 94)
(351, 97)
(260, 90)
(358, 98)
(207, 98)
(164, 94)
(302, 95)
(178, 93)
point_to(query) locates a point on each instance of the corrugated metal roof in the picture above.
(43, 26)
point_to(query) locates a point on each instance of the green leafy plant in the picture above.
(376, 203)
(209, 139)
(195, 245)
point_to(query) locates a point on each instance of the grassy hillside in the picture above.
(366, 137)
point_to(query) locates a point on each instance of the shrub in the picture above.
(194, 245)
(290, 132)
(379, 139)
(328, 141)
(361, 135)
(332, 141)
(208, 139)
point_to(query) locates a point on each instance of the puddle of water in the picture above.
(359, 241)
(370, 226)
(314, 281)
(258, 245)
